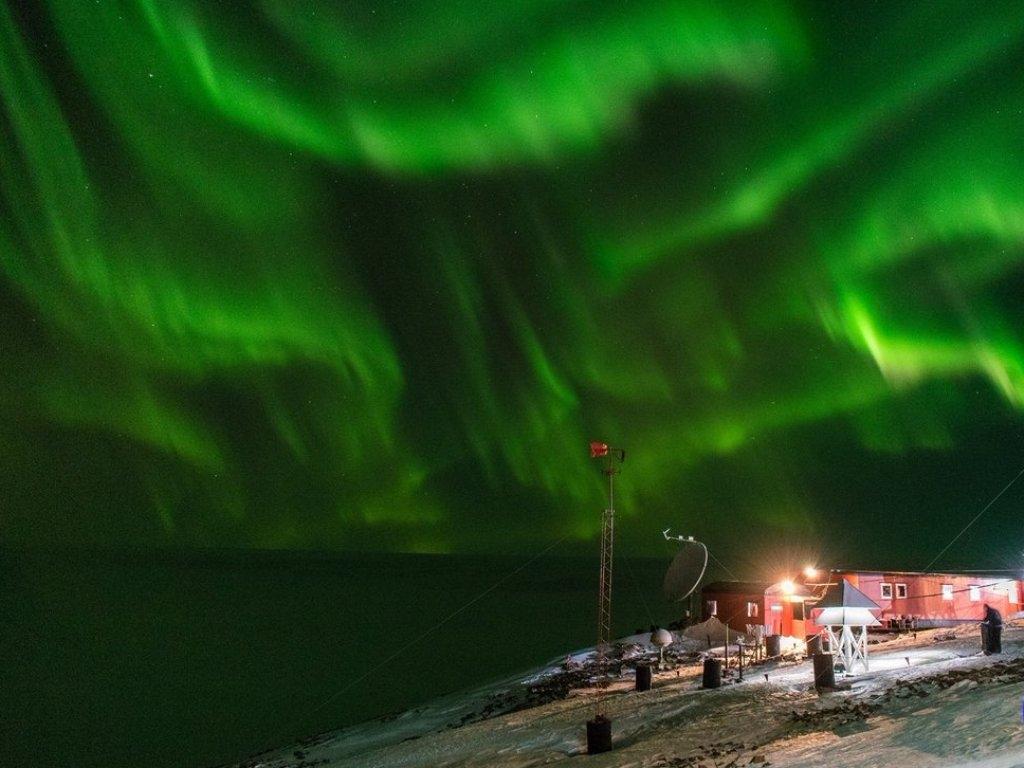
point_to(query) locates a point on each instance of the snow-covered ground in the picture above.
(930, 701)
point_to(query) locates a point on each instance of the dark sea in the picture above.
(152, 660)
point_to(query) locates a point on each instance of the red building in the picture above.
(930, 600)
(736, 603)
(936, 599)
(778, 607)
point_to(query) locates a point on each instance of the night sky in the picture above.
(369, 276)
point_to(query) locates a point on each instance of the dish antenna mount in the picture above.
(686, 569)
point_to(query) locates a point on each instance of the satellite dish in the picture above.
(686, 570)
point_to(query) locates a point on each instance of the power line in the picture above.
(975, 519)
(445, 620)
(636, 586)
(722, 564)
(956, 591)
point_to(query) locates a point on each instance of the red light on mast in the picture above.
(598, 449)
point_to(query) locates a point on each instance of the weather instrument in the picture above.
(661, 638)
(686, 569)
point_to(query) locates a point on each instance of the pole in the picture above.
(727, 645)
(604, 592)
(599, 730)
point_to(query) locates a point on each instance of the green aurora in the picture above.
(370, 276)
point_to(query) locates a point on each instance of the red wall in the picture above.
(924, 595)
(732, 608)
(924, 601)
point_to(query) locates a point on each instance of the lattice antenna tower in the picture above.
(612, 458)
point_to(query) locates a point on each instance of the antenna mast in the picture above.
(604, 593)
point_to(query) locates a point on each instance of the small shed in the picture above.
(846, 613)
(736, 603)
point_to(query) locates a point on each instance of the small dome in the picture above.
(661, 637)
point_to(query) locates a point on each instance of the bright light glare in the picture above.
(811, 572)
(788, 587)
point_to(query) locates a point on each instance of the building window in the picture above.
(1011, 593)
(975, 591)
(886, 591)
(901, 590)
(798, 611)
(751, 610)
(947, 591)
(712, 607)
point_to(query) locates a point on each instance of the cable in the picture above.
(944, 571)
(955, 591)
(671, 553)
(439, 624)
(975, 519)
(721, 564)
(639, 592)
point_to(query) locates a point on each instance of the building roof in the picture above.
(843, 594)
(736, 587)
(996, 574)
(790, 590)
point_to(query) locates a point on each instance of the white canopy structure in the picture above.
(846, 613)
(713, 632)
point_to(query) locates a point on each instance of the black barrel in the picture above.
(712, 673)
(985, 646)
(599, 735)
(824, 672)
(773, 645)
(643, 677)
(814, 645)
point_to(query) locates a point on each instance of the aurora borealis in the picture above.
(370, 276)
